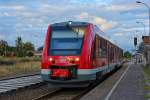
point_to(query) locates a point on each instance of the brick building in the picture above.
(146, 41)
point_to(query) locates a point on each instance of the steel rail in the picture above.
(49, 94)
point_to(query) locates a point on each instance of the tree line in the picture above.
(21, 49)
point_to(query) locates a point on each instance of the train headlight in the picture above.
(50, 59)
(77, 59)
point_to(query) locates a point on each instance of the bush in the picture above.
(30, 54)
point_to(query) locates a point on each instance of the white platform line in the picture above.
(116, 84)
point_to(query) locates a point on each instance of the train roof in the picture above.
(70, 23)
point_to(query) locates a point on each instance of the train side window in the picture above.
(94, 48)
(97, 46)
(112, 54)
(103, 48)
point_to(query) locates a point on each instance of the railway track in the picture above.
(45, 92)
(65, 93)
(10, 84)
(62, 94)
(69, 93)
(49, 94)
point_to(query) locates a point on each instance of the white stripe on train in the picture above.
(83, 71)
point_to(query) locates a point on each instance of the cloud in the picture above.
(118, 34)
(145, 14)
(2, 37)
(121, 7)
(83, 15)
(103, 23)
(12, 7)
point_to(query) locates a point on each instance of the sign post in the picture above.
(135, 44)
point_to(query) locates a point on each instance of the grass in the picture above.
(146, 74)
(147, 80)
(19, 59)
(19, 68)
(146, 87)
(147, 95)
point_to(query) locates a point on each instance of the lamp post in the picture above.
(142, 24)
(148, 11)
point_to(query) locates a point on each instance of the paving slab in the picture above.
(129, 88)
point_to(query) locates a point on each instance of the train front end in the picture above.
(64, 56)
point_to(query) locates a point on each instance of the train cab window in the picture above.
(66, 41)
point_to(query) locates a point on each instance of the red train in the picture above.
(76, 54)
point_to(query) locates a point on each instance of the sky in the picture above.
(30, 18)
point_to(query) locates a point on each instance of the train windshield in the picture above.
(66, 41)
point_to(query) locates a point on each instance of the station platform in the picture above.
(126, 84)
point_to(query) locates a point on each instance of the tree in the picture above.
(3, 47)
(24, 49)
(28, 46)
(127, 54)
(40, 48)
(19, 47)
(11, 51)
(29, 49)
